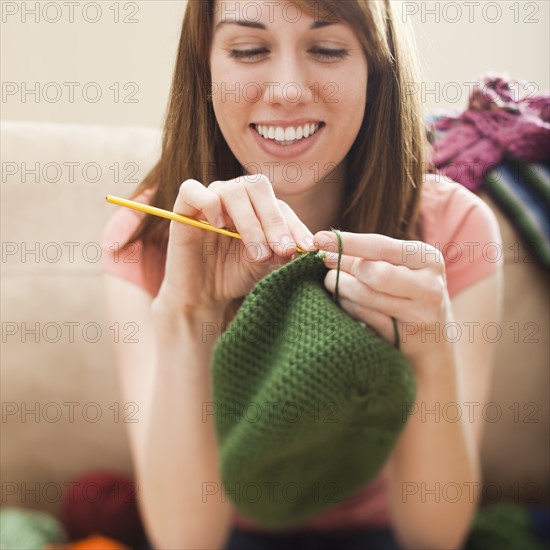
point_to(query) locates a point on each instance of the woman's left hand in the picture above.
(381, 278)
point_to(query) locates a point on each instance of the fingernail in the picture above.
(324, 237)
(308, 241)
(264, 252)
(331, 259)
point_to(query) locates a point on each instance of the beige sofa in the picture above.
(62, 414)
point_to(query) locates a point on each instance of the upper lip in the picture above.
(289, 123)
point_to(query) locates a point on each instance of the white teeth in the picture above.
(286, 136)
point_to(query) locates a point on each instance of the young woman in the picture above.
(286, 119)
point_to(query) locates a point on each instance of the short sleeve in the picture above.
(127, 259)
(464, 229)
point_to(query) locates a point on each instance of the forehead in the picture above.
(262, 13)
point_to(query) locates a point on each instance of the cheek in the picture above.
(346, 94)
(224, 81)
(233, 94)
(351, 108)
(225, 98)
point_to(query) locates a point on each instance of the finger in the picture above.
(378, 322)
(384, 277)
(194, 198)
(299, 230)
(274, 225)
(351, 288)
(372, 246)
(236, 202)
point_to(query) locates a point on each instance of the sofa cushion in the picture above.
(517, 431)
(57, 356)
(61, 410)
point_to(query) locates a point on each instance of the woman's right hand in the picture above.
(205, 270)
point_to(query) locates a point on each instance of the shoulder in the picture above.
(447, 207)
(463, 227)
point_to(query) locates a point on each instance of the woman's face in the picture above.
(288, 90)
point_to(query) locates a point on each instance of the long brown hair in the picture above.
(385, 163)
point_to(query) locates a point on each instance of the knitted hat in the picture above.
(308, 401)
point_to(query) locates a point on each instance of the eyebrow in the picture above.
(255, 25)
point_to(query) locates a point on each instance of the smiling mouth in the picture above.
(290, 135)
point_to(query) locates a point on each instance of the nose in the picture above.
(289, 82)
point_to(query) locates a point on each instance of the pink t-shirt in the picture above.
(453, 220)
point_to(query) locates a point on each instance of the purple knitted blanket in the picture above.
(496, 124)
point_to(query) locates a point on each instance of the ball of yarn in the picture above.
(22, 529)
(103, 503)
(97, 543)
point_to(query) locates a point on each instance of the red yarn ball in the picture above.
(103, 503)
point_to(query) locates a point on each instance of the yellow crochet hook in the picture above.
(175, 217)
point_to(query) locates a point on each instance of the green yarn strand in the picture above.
(337, 295)
(396, 344)
(340, 249)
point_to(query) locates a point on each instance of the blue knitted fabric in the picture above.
(309, 402)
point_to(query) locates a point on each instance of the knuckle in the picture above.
(215, 185)
(436, 292)
(289, 215)
(231, 192)
(240, 180)
(275, 221)
(264, 185)
(438, 261)
(360, 269)
(378, 274)
(253, 180)
(187, 184)
(212, 202)
(401, 275)
(261, 180)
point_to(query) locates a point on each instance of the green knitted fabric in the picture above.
(503, 526)
(309, 402)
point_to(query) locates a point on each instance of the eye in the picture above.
(255, 54)
(329, 54)
(248, 55)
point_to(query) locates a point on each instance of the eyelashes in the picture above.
(256, 54)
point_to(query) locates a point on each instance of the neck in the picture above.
(320, 207)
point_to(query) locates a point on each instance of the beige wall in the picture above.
(130, 63)
(105, 56)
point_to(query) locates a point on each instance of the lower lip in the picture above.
(287, 151)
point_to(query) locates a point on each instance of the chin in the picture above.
(288, 188)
